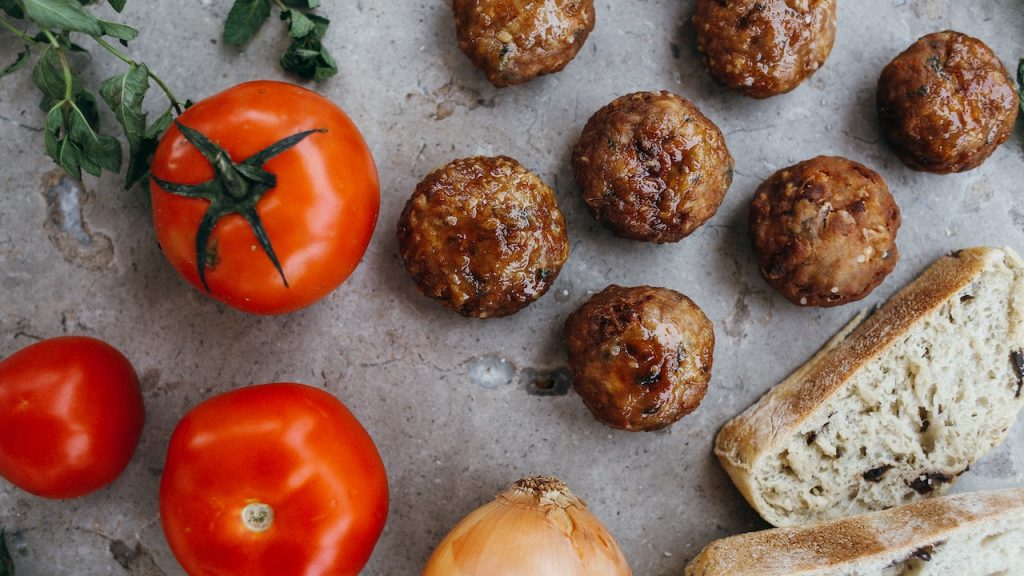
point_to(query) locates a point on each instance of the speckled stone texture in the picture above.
(454, 403)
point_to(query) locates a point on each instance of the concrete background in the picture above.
(448, 399)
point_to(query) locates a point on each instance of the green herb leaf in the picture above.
(1020, 81)
(59, 146)
(63, 15)
(156, 129)
(307, 56)
(140, 159)
(49, 78)
(53, 131)
(302, 3)
(73, 140)
(117, 4)
(6, 562)
(124, 95)
(300, 25)
(244, 20)
(119, 31)
(101, 151)
(18, 63)
(12, 8)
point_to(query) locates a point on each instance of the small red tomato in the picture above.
(265, 196)
(71, 413)
(278, 479)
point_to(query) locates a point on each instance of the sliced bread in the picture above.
(897, 405)
(979, 534)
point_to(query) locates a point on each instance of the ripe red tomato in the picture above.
(272, 480)
(71, 413)
(281, 231)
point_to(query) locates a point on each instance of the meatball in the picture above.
(946, 103)
(484, 236)
(651, 167)
(514, 41)
(640, 357)
(825, 231)
(764, 47)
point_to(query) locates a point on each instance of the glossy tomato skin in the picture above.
(319, 217)
(71, 412)
(294, 448)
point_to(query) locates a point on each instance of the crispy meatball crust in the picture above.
(825, 231)
(764, 47)
(484, 236)
(514, 41)
(651, 167)
(946, 103)
(640, 357)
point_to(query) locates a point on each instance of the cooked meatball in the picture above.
(651, 167)
(484, 236)
(640, 357)
(514, 41)
(825, 231)
(764, 47)
(946, 103)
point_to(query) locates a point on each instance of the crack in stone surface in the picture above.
(450, 97)
(17, 124)
(137, 561)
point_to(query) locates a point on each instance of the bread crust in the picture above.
(845, 546)
(778, 415)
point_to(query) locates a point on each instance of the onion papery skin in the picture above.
(535, 528)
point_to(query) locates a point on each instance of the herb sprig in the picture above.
(306, 56)
(1020, 82)
(6, 562)
(72, 133)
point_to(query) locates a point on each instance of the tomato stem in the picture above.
(236, 188)
(257, 516)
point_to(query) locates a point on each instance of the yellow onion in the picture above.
(537, 527)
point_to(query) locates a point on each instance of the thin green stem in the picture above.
(19, 33)
(52, 39)
(281, 5)
(120, 55)
(175, 103)
(68, 78)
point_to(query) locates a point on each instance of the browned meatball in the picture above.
(764, 47)
(946, 103)
(514, 41)
(651, 167)
(484, 236)
(825, 231)
(640, 357)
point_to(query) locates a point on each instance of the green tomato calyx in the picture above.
(236, 188)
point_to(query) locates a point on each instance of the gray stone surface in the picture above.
(449, 399)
